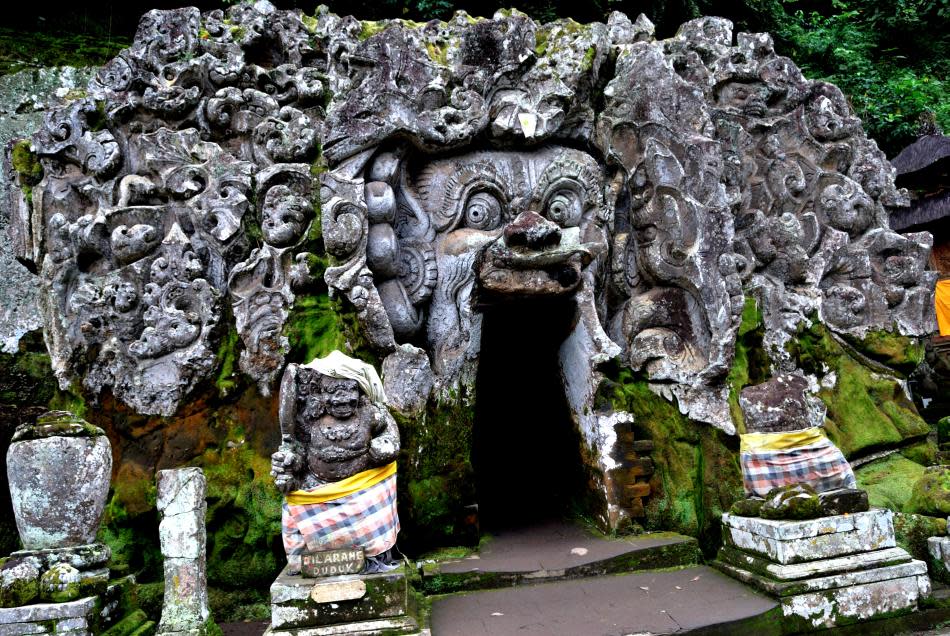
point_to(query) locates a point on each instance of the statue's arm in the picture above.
(289, 458)
(384, 446)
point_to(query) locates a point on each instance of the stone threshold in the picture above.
(555, 551)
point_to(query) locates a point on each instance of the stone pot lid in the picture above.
(56, 424)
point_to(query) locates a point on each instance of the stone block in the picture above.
(83, 607)
(182, 534)
(403, 625)
(82, 557)
(24, 629)
(797, 571)
(939, 548)
(298, 602)
(799, 541)
(852, 578)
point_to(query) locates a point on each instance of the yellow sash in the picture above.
(751, 442)
(342, 488)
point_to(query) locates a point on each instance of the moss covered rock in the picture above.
(795, 501)
(697, 475)
(912, 532)
(888, 481)
(19, 582)
(867, 409)
(931, 493)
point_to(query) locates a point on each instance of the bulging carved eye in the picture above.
(564, 208)
(483, 211)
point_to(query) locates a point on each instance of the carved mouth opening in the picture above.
(526, 448)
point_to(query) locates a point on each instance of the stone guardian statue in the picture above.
(336, 462)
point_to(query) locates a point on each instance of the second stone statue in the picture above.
(336, 462)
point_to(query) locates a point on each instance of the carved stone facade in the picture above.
(658, 183)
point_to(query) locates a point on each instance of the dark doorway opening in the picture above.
(526, 450)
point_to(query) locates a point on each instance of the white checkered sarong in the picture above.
(366, 519)
(820, 465)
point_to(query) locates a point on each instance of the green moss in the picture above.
(541, 41)
(867, 410)
(902, 353)
(436, 475)
(26, 377)
(912, 532)
(931, 493)
(26, 163)
(369, 28)
(227, 357)
(150, 597)
(697, 474)
(888, 481)
(238, 33)
(129, 624)
(243, 520)
(924, 453)
(750, 364)
(588, 62)
(21, 50)
(796, 501)
(438, 53)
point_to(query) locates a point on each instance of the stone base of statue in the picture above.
(939, 548)
(364, 604)
(825, 572)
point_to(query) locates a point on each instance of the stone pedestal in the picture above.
(825, 572)
(364, 604)
(939, 548)
(75, 618)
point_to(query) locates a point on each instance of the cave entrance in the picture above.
(526, 450)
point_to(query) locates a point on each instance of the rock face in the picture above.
(59, 472)
(245, 158)
(181, 502)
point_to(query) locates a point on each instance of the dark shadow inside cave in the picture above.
(526, 450)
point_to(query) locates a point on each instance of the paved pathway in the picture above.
(552, 545)
(651, 602)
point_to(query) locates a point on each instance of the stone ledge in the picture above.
(83, 557)
(759, 565)
(789, 542)
(81, 608)
(402, 626)
(292, 605)
(784, 530)
(843, 580)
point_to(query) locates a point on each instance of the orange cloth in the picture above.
(943, 306)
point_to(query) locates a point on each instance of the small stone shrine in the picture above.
(59, 471)
(336, 466)
(805, 534)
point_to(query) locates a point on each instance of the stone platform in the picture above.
(825, 572)
(366, 604)
(75, 618)
(555, 550)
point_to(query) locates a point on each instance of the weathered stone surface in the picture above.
(47, 611)
(721, 171)
(83, 557)
(798, 501)
(24, 98)
(783, 403)
(811, 569)
(293, 605)
(797, 541)
(19, 582)
(408, 379)
(843, 501)
(854, 576)
(181, 502)
(59, 472)
(939, 548)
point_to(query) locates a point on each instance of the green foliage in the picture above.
(891, 58)
(889, 481)
(21, 50)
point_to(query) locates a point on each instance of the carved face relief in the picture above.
(511, 223)
(284, 216)
(342, 397)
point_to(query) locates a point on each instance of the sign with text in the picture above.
(332, 562)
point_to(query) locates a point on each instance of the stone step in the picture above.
(555, 550)
(692, 599)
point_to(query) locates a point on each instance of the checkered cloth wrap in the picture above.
(366, 519)
(820, 465)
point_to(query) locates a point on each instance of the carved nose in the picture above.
(532, 230)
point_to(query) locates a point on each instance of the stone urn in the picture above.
(59, 471)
